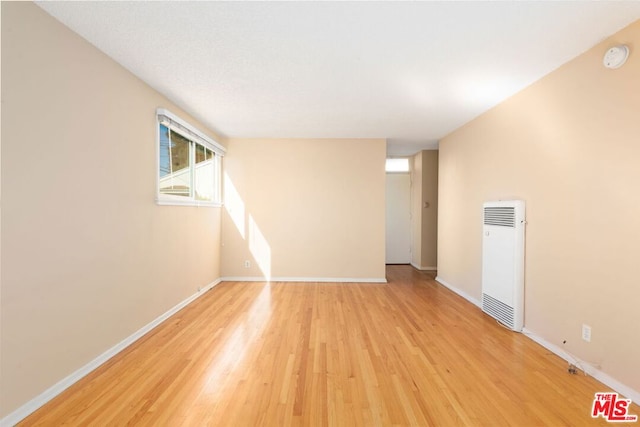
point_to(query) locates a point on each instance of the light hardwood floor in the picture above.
(409, 352)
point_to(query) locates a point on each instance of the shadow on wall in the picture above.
(247, 227)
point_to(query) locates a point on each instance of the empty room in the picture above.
(320, 213)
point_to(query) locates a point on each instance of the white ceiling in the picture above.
(410, 72)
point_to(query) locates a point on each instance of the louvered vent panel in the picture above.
(500, 216)
(498, 310)
(503, 261)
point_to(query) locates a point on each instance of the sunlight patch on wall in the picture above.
(234, 205)
(259, 248)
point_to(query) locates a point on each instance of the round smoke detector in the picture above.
(616, 56)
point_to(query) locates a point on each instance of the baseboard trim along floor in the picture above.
(44, 397)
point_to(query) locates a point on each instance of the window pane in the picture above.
(188, 169)
(165, 156)
(175, 174)
(204, 174)
(397, 165)
(200, 153)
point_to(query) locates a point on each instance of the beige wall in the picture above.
(88, 258)
(424, 219)
(304, 208)
(429, 252)
(569, 145)
(416, 209)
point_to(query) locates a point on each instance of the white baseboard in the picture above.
(304, 279)
(31, 406)
(596, 373)
(463, 294)
(616, 385)
(417, 267)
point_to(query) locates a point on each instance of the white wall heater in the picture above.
(503, 262)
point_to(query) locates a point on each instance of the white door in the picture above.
(398, 219)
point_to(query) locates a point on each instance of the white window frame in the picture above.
(180, 126)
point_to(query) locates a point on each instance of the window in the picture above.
(397, 165)
(189, 164)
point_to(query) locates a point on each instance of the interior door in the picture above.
(398, 219)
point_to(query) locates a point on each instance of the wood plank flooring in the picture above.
(409, 352)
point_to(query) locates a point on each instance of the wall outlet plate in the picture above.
(586, 333)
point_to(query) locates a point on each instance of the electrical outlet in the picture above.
(247, 264)
(586, 333)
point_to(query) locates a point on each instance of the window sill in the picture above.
(173, 202)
